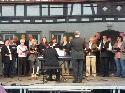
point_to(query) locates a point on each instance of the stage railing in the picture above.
(64, 88)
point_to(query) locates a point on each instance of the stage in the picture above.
(25, 84)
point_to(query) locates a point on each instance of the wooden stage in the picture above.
(98, 81)
(25, 84)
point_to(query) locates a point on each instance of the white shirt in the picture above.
(10, 55)
(30, 43)
(110, 47)
(20, 51)
(90, 45)
(1, 42)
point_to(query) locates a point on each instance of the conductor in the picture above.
(77, 46)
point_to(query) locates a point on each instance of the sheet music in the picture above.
(60, 52)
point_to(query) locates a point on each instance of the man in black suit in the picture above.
(7, 58)
(77, 46)
(105, 48)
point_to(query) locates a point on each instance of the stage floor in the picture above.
(98, 81)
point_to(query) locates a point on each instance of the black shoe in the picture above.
(79, 81)
(57, 80)
(83, 77)
(103, 76)
(10, 76)
(117, 75)
(122, 76)
(74, 81)
(37, 74)
(5, 76)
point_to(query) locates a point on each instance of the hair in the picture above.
(67, 38)
(22, 40)
(33, 40)
(50, 45)
(77, 33)
(5, 40)
(42, 39)
(53, 38)
(23, 36)
(105, 36)
(121, 38)
(93, 39)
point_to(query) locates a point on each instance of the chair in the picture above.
(52, 69)
(51, 62)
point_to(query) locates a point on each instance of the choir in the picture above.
(88, 59)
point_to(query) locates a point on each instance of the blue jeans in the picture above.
(120, 65)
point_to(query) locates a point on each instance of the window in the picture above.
(8, 36)
(20, 10)
(33, 10)
(7, 10)
(69, 9)
(74, 9)
(0, 11)
(56, 9)
(36, 35)
(44, 10)
(87, 9)
(57, 34)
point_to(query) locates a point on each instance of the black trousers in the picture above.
(105, 66)
(8, 68)
(77, 69)
(22, 66)
(98, 63)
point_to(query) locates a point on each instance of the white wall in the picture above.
(86, 29)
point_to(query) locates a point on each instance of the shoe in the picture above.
(93, 77)
(10, 76)
(112, 74)
(79, 81)
(36, 77)
(33, 75)
(117, 75)
(122, 76)
(84, 77)
(74, 81)
(37, 73)
(87, 78)
(57, 80)
(5, 76)
(22, 76)
(105, 76)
